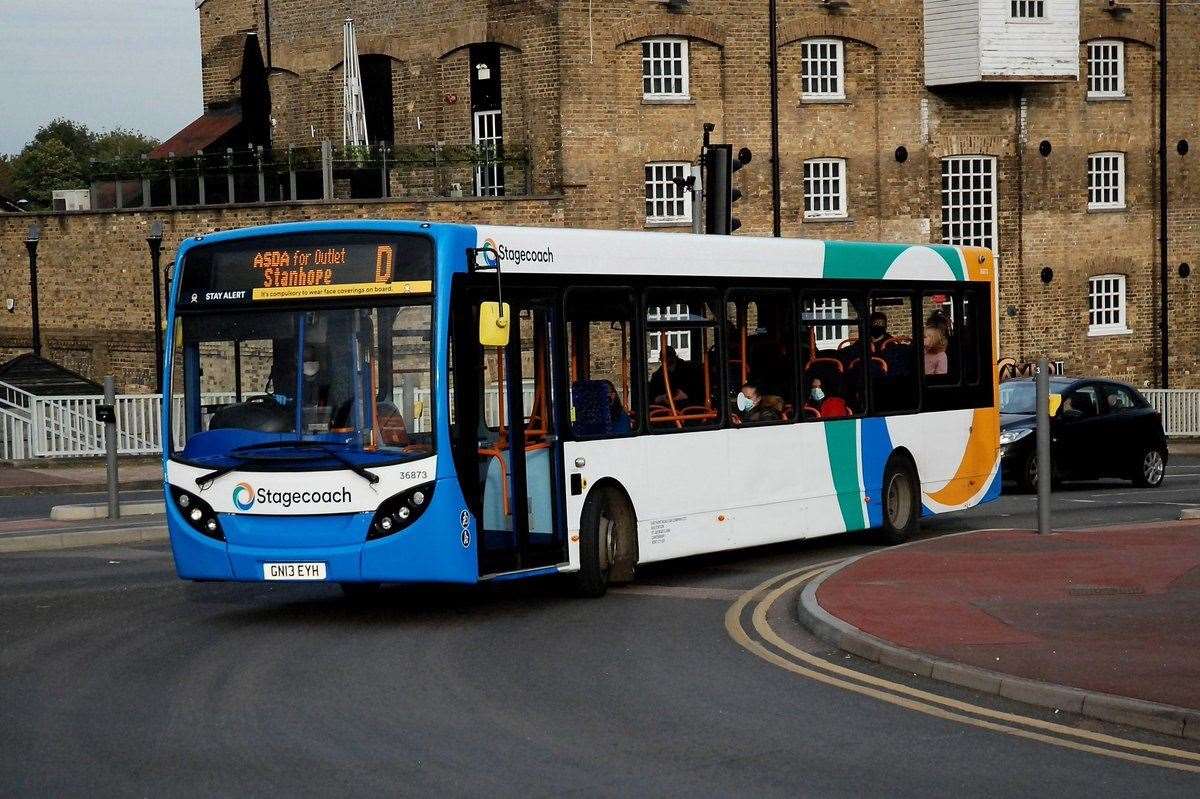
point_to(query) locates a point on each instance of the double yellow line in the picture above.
(786, 656)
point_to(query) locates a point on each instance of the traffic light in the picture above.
(719, 193)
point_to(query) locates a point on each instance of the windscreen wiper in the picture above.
(298, 443)
(205, 479)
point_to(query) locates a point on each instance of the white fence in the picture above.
(1180, 409)
(66, 426)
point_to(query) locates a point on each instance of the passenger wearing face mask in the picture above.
(829, 407)
(879, 331)
(316, 379)
(752, 407)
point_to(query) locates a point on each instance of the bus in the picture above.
(367, 402)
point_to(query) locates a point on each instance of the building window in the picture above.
(824, 67)
(489, 146)
(1106, 180)
(678, 340)
(1028, 9)
(665, 69)
(825, 188)
(667, 202)
(1106, 68)
(1106, 305)
(969, 201)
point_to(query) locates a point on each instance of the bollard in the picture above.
(1043, 445)
(108, 415)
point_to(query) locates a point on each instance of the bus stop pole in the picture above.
(110, 447)
(1043, 445)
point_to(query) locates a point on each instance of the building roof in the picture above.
(209, 128)
(43, 378)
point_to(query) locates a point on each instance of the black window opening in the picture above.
(604, 398)
(681, 354)
(487, 122)
(760, 357)
(378, 99)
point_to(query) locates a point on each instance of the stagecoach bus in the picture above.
(368, 402)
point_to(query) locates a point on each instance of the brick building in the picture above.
(1030, 126)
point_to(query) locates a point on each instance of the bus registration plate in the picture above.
(293, 571)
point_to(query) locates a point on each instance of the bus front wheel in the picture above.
(607, 542)
(901, 501)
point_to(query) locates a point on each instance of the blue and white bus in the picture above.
(374, 402)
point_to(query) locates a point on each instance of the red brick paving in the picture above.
(1114, 610)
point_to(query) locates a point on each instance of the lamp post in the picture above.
(154, 240)
(31, 244)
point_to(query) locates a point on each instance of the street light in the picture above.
(154, 240)
(31, 244)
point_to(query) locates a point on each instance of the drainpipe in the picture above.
(773, 46)
(267, 31)
(1164, 334)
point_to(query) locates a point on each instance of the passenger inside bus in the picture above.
(879, 331)
(686, 385)
(750, 406)
(936, 362)
(829, 406)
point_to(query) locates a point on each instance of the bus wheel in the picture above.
(901, 501)
(607, 542)
(359, 591)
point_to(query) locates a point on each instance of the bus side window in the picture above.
(760, 356)
(894, 371)
(682, 361)
(600, 325)
(834, 373)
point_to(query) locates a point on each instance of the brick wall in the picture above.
(94, 282)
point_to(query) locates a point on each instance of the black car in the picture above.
(1102, 429)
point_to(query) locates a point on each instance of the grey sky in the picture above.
(106, 63)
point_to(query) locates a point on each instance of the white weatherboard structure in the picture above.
(354, 112)
(982, 41)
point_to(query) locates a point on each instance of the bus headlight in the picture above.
(198, 514)
(399, 511)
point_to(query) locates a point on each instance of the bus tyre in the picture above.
(1151, 468)
(357, 592)
(607, 542)
(901, 501)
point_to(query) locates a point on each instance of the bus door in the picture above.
(519, 454)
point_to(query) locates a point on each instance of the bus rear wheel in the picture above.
(607, 542)
(901, 502)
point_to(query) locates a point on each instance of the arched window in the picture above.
(824, 66)
(1106, 305)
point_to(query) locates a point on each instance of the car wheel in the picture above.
(901, 502)
(607, 542)
(1150, 471)
(1028, 478)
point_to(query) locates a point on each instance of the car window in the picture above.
(1117, 398)
(1085, 401)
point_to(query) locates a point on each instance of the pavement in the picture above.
(1098, 622)
(77, 475)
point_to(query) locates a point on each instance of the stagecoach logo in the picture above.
(243, 496)
(494, 254)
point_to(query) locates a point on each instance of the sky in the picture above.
(106, 63)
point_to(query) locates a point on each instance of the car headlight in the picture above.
(399, 511)
(1009, 436)
(198, 514)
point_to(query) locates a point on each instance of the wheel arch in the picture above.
(623, 571)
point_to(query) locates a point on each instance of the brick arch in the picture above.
(681, 27)
(1110, 265)
(834, 28)
(1112, 143)
(1139, 32)
(983, 146)
(461, 36)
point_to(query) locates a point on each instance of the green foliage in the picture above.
(43, 167)
(7, 187)
(122, 143)
(76, 136)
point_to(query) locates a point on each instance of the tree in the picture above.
(121, 143)
(43, 167)
(7, 187)
(77, 137)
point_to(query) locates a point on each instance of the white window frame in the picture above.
(678, 340)
(1106, 181)
(828, 336)
(1027, 9)
(962, 214)
(1099, 54)
(1106, 305)
(677, 63)
(819, 191)
(661, 176)
(489, 143)
(811, 56)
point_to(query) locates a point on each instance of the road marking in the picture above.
(906, 696)
(681, 592)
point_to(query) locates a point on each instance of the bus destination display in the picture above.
(307, 267)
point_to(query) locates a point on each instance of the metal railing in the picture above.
(1180, 409)
(319, 172)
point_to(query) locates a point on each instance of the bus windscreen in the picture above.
(307, 266)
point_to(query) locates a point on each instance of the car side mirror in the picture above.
(494, 329)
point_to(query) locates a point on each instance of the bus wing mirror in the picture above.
(493, 324)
